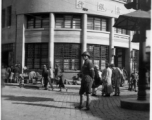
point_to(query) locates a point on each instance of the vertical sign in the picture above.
(80, 4)
(117, 10)
(101, 7)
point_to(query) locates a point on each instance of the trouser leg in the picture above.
(81, 100)
(88, 101)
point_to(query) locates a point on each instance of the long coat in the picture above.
(106, 76)
(116, 76)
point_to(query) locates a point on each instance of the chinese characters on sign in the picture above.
(101, 7)
(117, 10)
(80, 4)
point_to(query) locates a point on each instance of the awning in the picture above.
(132, 21)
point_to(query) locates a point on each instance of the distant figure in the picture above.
(134, 78)
(59, 76)
(50, 77)
(97, 80)
(45, 76)
(107, 84)
(116, 76)
(3, 75)
(16, 73)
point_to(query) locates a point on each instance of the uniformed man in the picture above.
(87, 80)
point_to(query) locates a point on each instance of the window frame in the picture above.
(42, 17)
(71, 21)
(101, 57)
(36, 56)
(3, 18)
(101, 21)
(9, 16)
(70, 55)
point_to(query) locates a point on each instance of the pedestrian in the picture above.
(16, 73)
(45, 76)
(106, 76)
(12, 74)
(51, 77)
(116, 76)
(87, 80)
(134, 80)
(3, 75)
(9, 74)
(97, 80)
(60, 77)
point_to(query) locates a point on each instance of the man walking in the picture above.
(116, 76)
(87, 79)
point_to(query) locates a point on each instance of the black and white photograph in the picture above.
(75, 59)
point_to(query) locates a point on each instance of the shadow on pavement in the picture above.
(26, 99)
(43, 105)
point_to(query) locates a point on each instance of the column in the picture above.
(130, 57)
(84, 34)
(142, 64)
(51, 41)
(20, 41)
(111, 42)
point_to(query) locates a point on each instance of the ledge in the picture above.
(134, 104)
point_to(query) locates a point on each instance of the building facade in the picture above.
(38, 32)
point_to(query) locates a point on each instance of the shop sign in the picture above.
(101, 7)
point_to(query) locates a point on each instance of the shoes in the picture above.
(66, 89)
(107, 95)
(114, 95)
(93, 95)
(78, 107)
(87, 108)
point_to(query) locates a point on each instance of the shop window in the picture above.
(99, 55)
(120, 57)
(68, 56)
(96, 23)
(37, 21)
(3, 18)
(9, 15)
(68, 21)
(36, 55)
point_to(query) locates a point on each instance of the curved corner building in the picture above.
(38, 32)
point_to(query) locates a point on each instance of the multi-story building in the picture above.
(38, 32)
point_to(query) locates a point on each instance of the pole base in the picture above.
(134, 104)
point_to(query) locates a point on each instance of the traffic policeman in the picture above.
(87, 79)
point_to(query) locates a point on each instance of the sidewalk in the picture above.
(36, 104)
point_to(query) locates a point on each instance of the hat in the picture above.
(86, 54)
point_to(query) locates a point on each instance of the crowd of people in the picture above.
(111, 79)
(11, 73)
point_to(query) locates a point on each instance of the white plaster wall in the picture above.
(94, 37)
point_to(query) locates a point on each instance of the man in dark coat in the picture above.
(45, 76)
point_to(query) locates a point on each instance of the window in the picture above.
(120, 57)
(36, 55)
(3, 18)
(9, 15)
(99, 55)
(68, 56)
(96, 23)
(37, 21)
(68, 21)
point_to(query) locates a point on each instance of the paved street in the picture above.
(37, 104)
